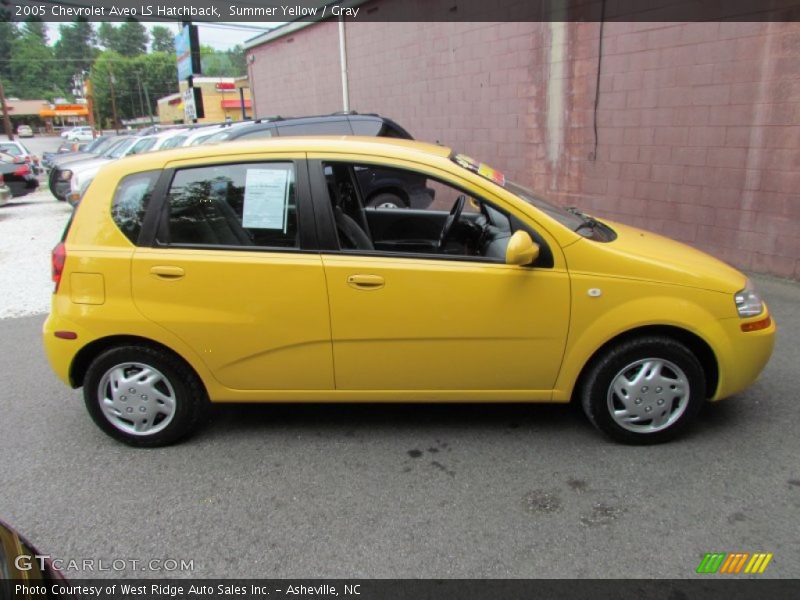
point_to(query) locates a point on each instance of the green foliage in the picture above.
(163, 40)
(107, 35)
(32, 68)
(131, 38)
(228, 63)
(8, 33)
(75, 51)
(135, 79)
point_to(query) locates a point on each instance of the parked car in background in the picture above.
(61, 173)
(79, 134)
(254, 272)
(17, 175)
(25, 131)
(17, 148)
(83, 174)
(352, 123)
(382, 189)
(77, 151)
(5, 191)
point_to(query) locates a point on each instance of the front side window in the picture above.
(130, 202)
(398, 211)
(249, 204)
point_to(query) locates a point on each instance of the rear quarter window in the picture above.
(130, 202)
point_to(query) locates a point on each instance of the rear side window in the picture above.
(248, 204)
(130, 202)
(366, 127)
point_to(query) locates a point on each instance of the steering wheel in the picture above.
(452, 219)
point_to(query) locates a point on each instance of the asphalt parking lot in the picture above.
(455, 491)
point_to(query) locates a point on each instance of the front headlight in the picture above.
(66, 175)
(748, 302)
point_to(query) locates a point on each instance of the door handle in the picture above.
(167, 272)
(365, 282)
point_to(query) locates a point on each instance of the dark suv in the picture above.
(382, 188)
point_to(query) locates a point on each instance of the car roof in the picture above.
(385, 147)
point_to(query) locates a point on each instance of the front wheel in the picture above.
(144, 396)
(644, 391)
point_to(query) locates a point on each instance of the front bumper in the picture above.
(745, 355)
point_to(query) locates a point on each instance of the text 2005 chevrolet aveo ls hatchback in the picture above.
(252, 272)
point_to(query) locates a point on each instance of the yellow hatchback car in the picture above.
(265, 272)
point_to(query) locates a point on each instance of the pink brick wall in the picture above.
(698, 123)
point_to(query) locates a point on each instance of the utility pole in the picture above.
(149, 106)
(139, 85)
(6, 118)
(113, 101)
(89, 92)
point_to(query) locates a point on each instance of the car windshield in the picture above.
(143, 145)
(11, 149)
(98, 145)
(218, 137)
(173, 142)
(562, 215)
(119, 148)
(200, 140)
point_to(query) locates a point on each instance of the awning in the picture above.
(71, 112)
(235, 103)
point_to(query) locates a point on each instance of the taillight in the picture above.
(23, 170)
(58, 258)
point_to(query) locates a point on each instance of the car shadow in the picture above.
(555, 418)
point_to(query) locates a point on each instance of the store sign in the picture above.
(183, 52)
(189, 107)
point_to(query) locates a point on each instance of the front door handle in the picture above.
(167, 272)
(365, 282)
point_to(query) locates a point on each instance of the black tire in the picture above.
(191, 402)
(595, 390)
(387, 200)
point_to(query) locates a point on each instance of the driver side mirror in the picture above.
(521, 249)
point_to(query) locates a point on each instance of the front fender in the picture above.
(625, 305)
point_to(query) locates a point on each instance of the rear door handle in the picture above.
(167, 272)
(365, 282)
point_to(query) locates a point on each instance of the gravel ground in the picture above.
(29, 228)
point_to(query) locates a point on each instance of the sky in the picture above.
(220, 38)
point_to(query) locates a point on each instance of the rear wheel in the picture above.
(387, 200)
(644, 391)
(144, 396)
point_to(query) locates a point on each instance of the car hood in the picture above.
(88, 165)
(640, 254)
(64, 159)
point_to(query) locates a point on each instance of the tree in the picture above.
(107, 35)
(162, 40)
(230, 63)
(154, 72)
(36, 29)
(32, 64)
(8, 33)
(76, 50)
(131, 38)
